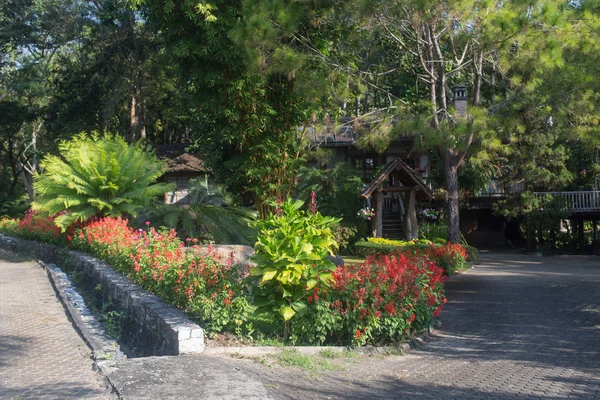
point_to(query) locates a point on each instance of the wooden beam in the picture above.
(398, 188)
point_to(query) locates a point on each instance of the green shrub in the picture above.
(385, 246)
(97, 176)
(472, 254)
(432, 231)
(345, 236)
(291, 251)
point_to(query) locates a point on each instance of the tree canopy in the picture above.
(245, 83)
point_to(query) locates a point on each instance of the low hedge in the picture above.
(367, 248)
(450, 257)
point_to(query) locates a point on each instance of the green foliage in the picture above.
(97, 176)
(210, 218)
(347, 234)
(14, 208)
(432, 231)
(291, 253)
(383, 246)
(472, 254)
(337, 189)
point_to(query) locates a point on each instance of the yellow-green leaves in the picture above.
(286, 312)
(291, 251)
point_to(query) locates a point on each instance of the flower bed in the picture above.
(381, 301)
(33, 226)
(450, 257)
(207, 289)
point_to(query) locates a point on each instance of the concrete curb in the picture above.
(313, 350)
(105, 350)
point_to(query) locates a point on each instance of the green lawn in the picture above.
(353, 260)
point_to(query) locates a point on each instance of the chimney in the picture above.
(460, 100)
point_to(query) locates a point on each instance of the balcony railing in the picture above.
(578, 201)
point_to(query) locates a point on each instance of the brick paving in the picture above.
(516, 327)
(41, 355)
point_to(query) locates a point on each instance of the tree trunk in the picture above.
(478, 69)
(136, 115)
(452, 202)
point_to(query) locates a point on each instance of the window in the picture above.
(410, 162)
(366, 165)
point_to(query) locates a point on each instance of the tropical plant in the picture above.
(97, 176)
(210, 216)
(291, 257)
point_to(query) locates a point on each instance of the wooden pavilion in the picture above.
(397, 178)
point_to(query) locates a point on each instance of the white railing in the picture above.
(577, 201)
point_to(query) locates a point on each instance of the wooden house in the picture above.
(181, 168)
(395, 191)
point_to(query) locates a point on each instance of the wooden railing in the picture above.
(577, 201)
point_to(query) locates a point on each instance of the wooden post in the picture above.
(413, 214)
(529, 234)
(411, 226)
(595, 225)
(581, 235)
(378, 225)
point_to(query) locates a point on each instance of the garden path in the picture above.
(41, 355)
(515, 327)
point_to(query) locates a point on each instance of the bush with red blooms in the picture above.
(200, 285)
(34, 225)
(381, 301)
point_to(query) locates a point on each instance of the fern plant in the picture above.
(97, 176)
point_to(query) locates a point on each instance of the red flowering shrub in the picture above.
(202, 286)
(380, 301)
(34, 226)
(451, 257)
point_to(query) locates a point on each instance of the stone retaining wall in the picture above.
(151, 326)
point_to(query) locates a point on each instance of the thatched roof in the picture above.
(406, 176)
(178, 160)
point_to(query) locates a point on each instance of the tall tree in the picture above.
(253, 97)
(498, 50)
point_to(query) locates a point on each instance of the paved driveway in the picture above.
(41, 355)
(515, 327)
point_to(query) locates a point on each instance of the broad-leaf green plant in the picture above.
(210, 216)
(291, 259)
(97, 176)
